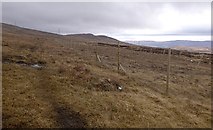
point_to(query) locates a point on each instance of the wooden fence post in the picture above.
(201, 57)
(123, 68)
(96, 54)
(118, 57)
(168, 71)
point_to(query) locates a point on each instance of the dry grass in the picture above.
(74, 90)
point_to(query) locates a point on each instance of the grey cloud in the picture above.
(107, 18)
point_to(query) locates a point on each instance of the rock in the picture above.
(120, 88)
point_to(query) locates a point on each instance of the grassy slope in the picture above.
(73, 90)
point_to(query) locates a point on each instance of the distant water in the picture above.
(172, 44)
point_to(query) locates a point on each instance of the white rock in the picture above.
(120, 88)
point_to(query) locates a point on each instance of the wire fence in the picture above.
(163, 59)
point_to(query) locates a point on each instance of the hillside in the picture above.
(55, 81)
(88, 38)
(13, 30)
(92, 38)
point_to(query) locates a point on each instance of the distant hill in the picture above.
(16, 30)
(92, 38)
(198, 46)
(87, 38)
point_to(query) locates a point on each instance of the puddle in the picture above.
(23, 63)
(22, 60)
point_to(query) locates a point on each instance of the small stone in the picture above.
(120, 88)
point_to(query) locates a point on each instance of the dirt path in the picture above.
(65, 116)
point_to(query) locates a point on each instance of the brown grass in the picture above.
(73, 90)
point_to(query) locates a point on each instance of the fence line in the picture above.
(151, 50)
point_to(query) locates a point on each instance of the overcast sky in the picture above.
(124, 21)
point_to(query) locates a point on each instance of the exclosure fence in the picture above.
(202, 57)
(159, 50)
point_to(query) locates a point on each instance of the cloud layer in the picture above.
(113, 19)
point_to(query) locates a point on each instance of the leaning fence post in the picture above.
(168, 71)
(122, 68)
(201, 57)
(96, 54)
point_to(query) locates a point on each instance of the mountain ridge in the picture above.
(82, 37)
